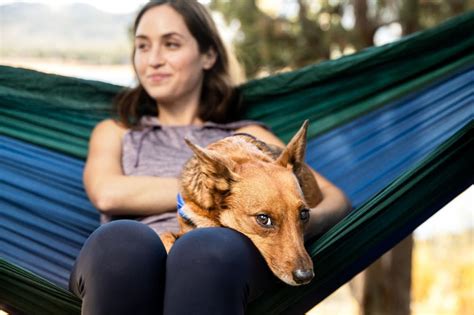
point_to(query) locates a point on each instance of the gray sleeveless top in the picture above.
(156, 150)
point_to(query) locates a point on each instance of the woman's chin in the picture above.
(160, 94)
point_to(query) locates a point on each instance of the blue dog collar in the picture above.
(180, 205)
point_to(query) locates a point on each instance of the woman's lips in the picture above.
(158, 77)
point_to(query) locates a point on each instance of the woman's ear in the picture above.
(209, 58)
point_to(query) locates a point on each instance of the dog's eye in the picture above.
(264, 219)
(304, 215)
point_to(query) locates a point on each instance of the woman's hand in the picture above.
(110, 190)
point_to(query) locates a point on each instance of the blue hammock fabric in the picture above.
(368, 153)
(46, 215)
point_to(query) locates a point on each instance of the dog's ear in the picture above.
(213, 177)
(294, 153)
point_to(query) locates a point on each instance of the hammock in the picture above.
(391, 125)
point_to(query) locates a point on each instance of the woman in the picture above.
(131, 172)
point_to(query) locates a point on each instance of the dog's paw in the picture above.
(168, 240)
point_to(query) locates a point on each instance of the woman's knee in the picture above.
(214, 246)
(116, 249)
(121, 270)
(123, 238)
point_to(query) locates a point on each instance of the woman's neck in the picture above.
(175, 115)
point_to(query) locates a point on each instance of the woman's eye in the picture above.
(304, 215)
(141, 46)
(172, 45)
(264, 220)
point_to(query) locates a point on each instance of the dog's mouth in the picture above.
(290, 263)
(296, 277)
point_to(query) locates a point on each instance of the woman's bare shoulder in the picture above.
(261, 133)
(108, 128)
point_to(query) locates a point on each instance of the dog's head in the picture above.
(239, 186)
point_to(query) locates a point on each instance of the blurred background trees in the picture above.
(267, 35)
(287, 34)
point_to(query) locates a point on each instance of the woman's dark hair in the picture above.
(219, 99)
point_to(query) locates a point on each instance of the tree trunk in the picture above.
(364, 27)
(384, 287)
(458, 6)
(409, 16)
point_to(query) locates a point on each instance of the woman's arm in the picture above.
(114, 193)
(334, 205)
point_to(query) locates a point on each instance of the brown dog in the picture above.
(241, 183)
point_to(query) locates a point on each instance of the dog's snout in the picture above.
(302, 276)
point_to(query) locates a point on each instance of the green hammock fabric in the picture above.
(427, 185)
(329, 94)
(28, 293)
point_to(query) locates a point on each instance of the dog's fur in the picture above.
(239, 182)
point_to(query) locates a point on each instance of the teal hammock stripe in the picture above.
(21, 290)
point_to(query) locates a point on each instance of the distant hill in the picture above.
(76, 31)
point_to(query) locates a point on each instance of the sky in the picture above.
(111, 6)
(383, 35)
(456, 216)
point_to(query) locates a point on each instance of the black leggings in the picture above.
(123, 268)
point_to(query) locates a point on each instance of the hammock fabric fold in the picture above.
(391, 125)
(381, 222)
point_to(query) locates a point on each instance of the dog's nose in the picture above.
(302, 276)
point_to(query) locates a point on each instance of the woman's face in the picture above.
(167, 58)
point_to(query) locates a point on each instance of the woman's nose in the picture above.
(156, 58)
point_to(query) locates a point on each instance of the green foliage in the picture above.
(271, 41)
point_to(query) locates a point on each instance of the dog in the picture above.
(262, 191)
